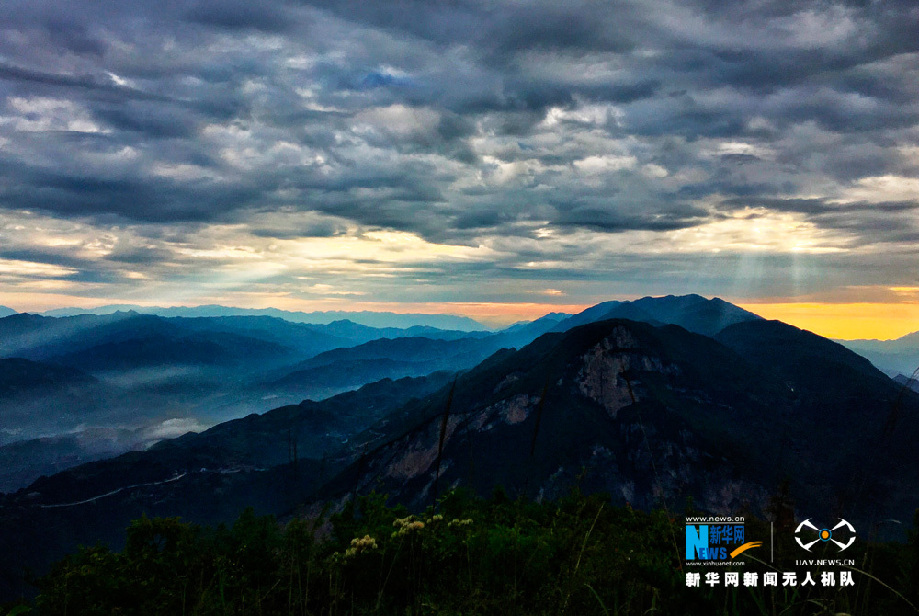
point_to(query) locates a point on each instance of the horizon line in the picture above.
(834, 320)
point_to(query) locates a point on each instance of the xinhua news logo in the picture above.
(710, 540)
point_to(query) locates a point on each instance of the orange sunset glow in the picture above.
(851, 321)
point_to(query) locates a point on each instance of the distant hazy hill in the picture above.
(414, 349)
(5, 312)
(907, 382)
(23, 383)
(372, 319)
(394, 358)
(22, 462)
(131, 340)
(545, 322)
(38, 399)
(21, 376)
(146, 376)
(390, 358)
(892, 356)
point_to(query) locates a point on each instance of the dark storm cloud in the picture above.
(20, 74)
(319, 229)
(59, 257)
(508, 28)
(75, 37)
(607, 222)
(464, 122)
(136, 198)
(236, 15)
(97, 87)
(153, 123)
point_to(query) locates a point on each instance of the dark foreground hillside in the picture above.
(577, 556)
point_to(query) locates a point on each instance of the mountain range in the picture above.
(370, 319)
(152, 377)
(74, 386)
(699, 401)
(899, 356)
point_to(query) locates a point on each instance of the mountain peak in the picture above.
(692, 312)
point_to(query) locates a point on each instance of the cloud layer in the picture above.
(457, 151)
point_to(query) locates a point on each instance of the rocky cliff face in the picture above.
(605, 374)
(601, 419)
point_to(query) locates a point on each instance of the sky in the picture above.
(500, 159)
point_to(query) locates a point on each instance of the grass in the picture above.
(472, 556)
